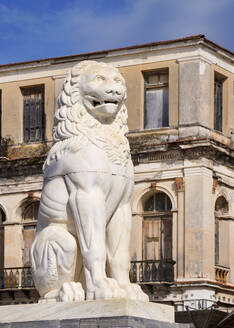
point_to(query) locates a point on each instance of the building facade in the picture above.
(181, 121)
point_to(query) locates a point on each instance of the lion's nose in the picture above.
(113, 91)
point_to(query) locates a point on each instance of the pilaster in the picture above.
(199, 223)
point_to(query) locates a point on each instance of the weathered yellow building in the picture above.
(181, 120)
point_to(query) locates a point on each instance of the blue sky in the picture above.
(33, 29)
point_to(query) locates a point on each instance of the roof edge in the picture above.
(105, 52)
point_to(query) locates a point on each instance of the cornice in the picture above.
(181, 149)
(194, 58)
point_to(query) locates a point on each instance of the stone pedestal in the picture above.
(89, 314)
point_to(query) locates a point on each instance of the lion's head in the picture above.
(92, 98)
(93, 94)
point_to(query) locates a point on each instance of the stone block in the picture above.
(120, 313)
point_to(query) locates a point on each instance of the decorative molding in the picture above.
(153, 185)
(198, 170)
(179, 182)
(59, 76)
(165, 174)
(20, 187)
(156, 156)
(193, 58)
(215, 184)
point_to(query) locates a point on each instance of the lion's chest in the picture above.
(90, 159)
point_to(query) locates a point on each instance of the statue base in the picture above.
(89, 314)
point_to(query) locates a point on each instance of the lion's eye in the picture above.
(100, 78)
(117, 80)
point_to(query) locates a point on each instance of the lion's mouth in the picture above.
(98, 103)
(105, 108)
(94, 102)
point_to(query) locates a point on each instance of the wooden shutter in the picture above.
(151, 245)
(157, 238)
(33, 108)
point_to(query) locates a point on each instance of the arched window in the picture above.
(29, 216)
(30, 211)
(221, 238)
(221, 206)
(159, 202)
(157, 227)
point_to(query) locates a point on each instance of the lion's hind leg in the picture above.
(53, 259)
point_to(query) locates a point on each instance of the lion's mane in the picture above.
(73, 125)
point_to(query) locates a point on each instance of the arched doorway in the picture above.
(29, 220)
(157, 263)
(157, 227)
(221, 240)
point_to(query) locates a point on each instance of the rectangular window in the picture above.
(156, 99)
(33, 113)
(218, 103)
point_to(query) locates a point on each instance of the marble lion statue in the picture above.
(84, 220)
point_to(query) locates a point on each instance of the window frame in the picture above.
(160, 217)
(218, 102)
(158, 86)
(219, 216)
(36, 122)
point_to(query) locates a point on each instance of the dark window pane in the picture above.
(218, 105)
(2, 244)
(167, 239)
(161, 202)
(31, 211)
(221, 205)
(149, 205)
(158, 202)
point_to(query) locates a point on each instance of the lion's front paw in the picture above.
(134, 292)
(71, 292)
(106, 289)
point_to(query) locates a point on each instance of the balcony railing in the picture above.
(140, 271)
(152, 271)
(19, 277)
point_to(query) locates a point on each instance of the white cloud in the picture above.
(77, 29)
